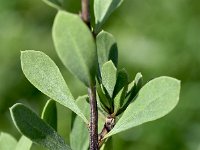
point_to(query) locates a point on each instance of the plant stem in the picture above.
(93, 119)
(85, 14)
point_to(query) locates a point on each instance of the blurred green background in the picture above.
(154, 37)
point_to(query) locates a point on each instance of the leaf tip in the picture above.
(13, 110)
(14, 107)
(109, 63)
(139, 74)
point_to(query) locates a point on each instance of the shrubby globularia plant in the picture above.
(113, 103)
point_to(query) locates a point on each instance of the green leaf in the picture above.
(136, 86)
(24, 144)
(106, 49)
(118, 100)
(43, 73)
(108, 145)
(138, 81)
(122, 81)
(130, 86)
(33, 127)
(49, 114)
(156, 99)
(109, 73)
(79, 136)
(54, 3)
(7, 142)
(75, 46)
(101, 120)
(104, 101)
(102, 10)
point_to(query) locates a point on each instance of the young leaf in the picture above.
(118, 100)
(136, 86)
(106, 49)
(156, 99)
(7, 142)
(104, 101)
(54, 3)
(138, 81)
(33, 127)
(130, 86)
(24, 144)
(109, 77)
(122, 81)
(43, 73)
(75, 46)
(102, 10)
(79, 136)
(49, 114)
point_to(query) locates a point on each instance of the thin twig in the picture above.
(93, 128)
(93, 119)
(85, 14)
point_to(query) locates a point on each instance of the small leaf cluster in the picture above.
(114, 89)
(91, 56)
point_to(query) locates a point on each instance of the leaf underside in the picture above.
(75, 46)
(156, 99)
(109, 73)
(43, 73)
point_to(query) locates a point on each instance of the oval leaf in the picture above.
(156, 99)
(33, 127)
(24, 144)
(79, 136)
(102, 10)
(43, 73)
(7, 142)
(109, 73)
(75, 46)
(106, 49)
(49, 114)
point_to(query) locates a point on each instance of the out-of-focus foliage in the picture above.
(36, 129)
(154, 37)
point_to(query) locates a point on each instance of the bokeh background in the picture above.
(155, 37)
